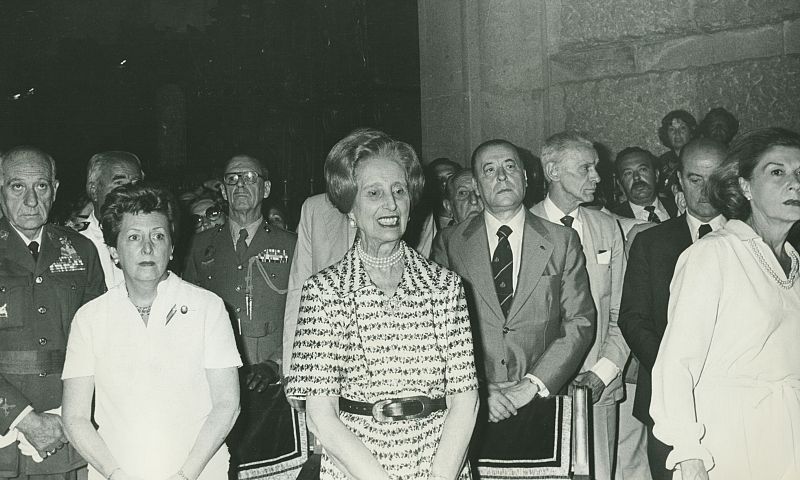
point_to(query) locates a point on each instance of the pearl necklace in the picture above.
(379, 262)
(794, 271)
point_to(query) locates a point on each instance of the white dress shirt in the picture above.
(642, 214)
(94, 233)
(715, 223)
(517, 225)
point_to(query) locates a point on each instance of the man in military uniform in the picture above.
(246, 262)
(46, 273)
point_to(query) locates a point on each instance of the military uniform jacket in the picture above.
(37, 303)
(212, 264)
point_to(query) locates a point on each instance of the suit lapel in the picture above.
(590, 236)
(14, 248)
(536, 251)
(474, 255)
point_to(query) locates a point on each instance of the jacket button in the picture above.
(238, 288)
(505, 330)
(239, 267)
(42, 341)
(42, 310)
(3, 289)
(503, 361)
(238, 309)
(209, 277)
(272, 275)
(43, 374)
(39, 279)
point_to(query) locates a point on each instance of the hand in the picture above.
(521, 393)
(44, 431)
(500, 406)
(591, 380)
(693, 470)
(260, 376)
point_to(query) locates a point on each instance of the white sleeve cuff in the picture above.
(543, 391)
(605, 370)
(19, 418)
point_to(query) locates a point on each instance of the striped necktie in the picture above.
(503, 269)
(652, 217)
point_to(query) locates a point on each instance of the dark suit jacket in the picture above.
(624, 209)
(645, 296)
(37, 302)
(551, 323)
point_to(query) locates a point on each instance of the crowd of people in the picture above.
(423, 323)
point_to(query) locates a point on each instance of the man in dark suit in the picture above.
(651, 264)
(638, 176)
(246, 262)
(527, 286)
(46, 273)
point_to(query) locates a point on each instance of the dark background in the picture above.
(185, 84)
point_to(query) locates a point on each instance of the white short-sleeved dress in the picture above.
(726, 383)
(151, 391)
(355, 342)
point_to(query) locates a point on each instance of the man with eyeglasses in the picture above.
(246, 262)
(105, 172)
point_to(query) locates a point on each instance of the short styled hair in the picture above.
(362, 144)
(136, 198)
(687, 118)
(631, 150)
(718, 113)
(451, 182)
(27, 150)
(745, 152)
(495, 142)
(100, 160)
(557, 145)
(704, 143)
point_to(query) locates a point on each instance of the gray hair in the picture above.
(560, 143)
(31, 150)
(99, 160)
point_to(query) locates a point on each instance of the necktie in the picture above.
(652, 217)
(503, 269)
(34, 248)
(567, 220)
(241, 245)
(703, 230)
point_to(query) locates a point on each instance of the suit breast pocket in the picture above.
(15, 300)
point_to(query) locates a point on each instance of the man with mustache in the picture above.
(570, 162)
(246, 262)
(529, 298)
(638, 177)
(651, 264)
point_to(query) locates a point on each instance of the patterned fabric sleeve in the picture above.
(460, 374)
(316, 355)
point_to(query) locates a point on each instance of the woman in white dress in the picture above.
(158, 354)
(726, 383)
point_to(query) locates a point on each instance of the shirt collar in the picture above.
(517, 222)
(694, 223)
(554, 214)
(638, 209)
(250, 227)
(37, 238)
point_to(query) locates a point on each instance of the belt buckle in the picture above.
(379, 408)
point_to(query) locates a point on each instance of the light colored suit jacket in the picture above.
(324, 235)
(551, 322)
(604, 250)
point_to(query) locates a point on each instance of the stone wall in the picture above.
(612, 68)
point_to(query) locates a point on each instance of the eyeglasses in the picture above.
(248, 178)
(212, 215)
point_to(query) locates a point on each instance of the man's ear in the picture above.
(55, 189)
(448, 207)
(267, 188)
(224, 192)
(551, 172)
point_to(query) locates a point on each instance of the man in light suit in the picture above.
(533, 337)
(651, 264)
(569, 161)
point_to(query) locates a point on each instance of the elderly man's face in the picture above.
(698, 164)
(637, 176)
(678, 133)
(578, 176)
(244, 197)
(500, 178)
(28, 191)
(463, 200)
(112, 175)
